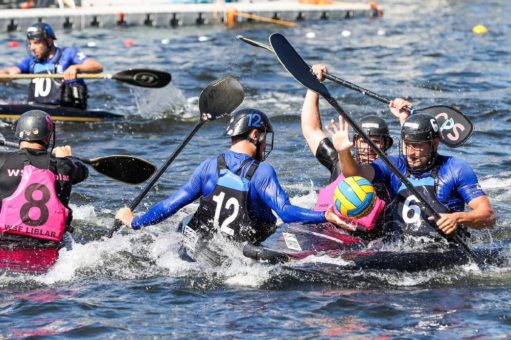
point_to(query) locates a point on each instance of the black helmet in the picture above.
(39, 31)
(419, 128)
(35, 126)
(375, 126)
(245, 120)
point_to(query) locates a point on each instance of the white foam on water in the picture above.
(310, 35)
(323, 259)
(153, 251)
(497, 187)
(84, 212)
(162, 102)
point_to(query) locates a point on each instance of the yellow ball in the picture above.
(354, 197)
(479, 29)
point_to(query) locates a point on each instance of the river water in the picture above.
(135, 285)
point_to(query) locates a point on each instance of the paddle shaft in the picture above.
(157, 176)
(357, 88)
(138, 77)
(57, 76)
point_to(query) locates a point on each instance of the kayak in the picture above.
(324, 248)
(27, 260)
(58, 113)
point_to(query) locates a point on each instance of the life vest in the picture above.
(34, 209)
(367, 223)
(46, 90)
(226, 209)
(409, 214)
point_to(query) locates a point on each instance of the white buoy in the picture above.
(310, 35)
(92, 44)
(381, 32)
(345, 33)
(203, 38)
(165, 41)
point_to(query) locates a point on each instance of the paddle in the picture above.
(217, 100)
(137, 77)
(127, 169)
(297, 67)
(455, 127)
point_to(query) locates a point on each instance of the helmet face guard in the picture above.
(363, 154)
(268, 138)
(373, 126)
(413, 150)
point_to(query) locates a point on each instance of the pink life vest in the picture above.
(34, 209)
(367, 222)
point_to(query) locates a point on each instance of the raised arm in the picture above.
(312, 128)
(340, 138)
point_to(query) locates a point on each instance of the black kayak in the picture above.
(58, 113)
(332, 250)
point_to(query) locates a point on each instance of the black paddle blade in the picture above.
(455, 127)
(128, 169)
(295, 65)
(144, 78)
(220, 98)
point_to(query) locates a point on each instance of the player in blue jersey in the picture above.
(238, 189)
(46, 57)
(446, 182)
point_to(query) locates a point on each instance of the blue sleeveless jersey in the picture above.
(265, 194)
(70, 56)
(457, 182)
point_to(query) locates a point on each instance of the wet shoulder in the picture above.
(265, 170)
(453, 166)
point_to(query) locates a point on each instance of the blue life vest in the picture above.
(226, 209)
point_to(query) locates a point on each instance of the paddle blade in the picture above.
(254, 43)
(295, 65)
(128, 169)
(455, 127)
(144, 78)
(220, 98)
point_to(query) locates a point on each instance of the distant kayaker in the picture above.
(238, 189)
(35, 185)
(45, 57)
(446, 182)
(323, 149)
